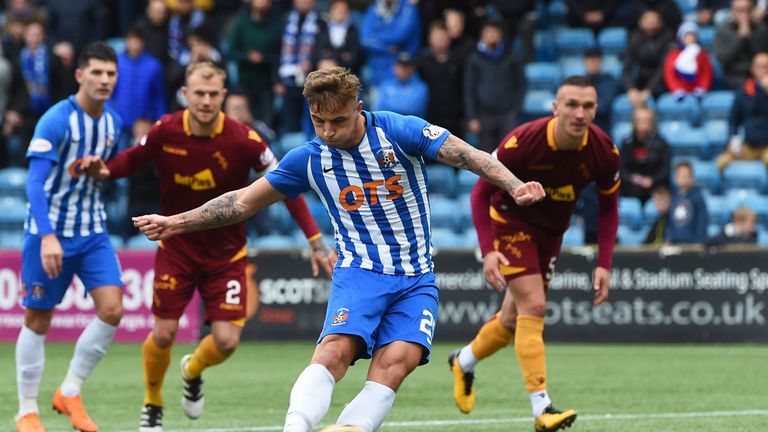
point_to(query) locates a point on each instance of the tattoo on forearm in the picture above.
(461, 155)
(218, 212)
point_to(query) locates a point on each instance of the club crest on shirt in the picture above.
(340, 318)
(433, 132)
(386, 158)
(37, 292)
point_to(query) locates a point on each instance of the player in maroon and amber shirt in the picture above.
(200, 154)
(520, 245)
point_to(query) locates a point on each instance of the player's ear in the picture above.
(554, 107)
(359, 106)
(78, 75)
(224, 93)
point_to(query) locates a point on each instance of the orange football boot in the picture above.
(73, 408)
(29, 422)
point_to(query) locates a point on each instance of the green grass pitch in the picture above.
(614, 388)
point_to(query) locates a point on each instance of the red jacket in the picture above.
(704, 73)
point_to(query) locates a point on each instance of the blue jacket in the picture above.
(383, 39)
(403, 97)
(750, 109)
(140, 91)
(688, 218)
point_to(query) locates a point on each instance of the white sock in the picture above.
(539, 402)
(467, 359)
(30, 361)
(369, 408)
(89, 349)
(310, 399)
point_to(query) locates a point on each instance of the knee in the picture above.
(336, 356)
(535, 308)
(164, 336)
(226, 344)
(38, 321)
(508, 321)
(111, 313)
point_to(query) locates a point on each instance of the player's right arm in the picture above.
(227, 209)
(127, 161)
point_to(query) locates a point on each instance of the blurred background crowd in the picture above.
(682, 84)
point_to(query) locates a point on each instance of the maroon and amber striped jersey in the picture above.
(193, 169)
(530, 153)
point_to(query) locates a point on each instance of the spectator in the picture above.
(645, 158)
(607, 86)
(78, 22)
(712, 12)
(66, 53)
(643, 61)
(13, 38)
(154, 23)
(341, 39)
(594, 14)
(688, 212)
(662, 199)
(586, 213)
(140, 89)
(201, 49)
(493, 87)
(143, 190)
(737, 41)
(14, 105)
(185, 18)
(443, 74)
(687, 69)
(41, 69)
(389, 28)
(462, 45)
(741, 229)
(300, 30)
(24, 10)
(667, 9)
(521, 16)
(253, 42)
(405, 94)
(750, 112)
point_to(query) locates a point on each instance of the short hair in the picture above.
(684, 164)
(493, 22)
(98, 51)
(437, 24)
(661, 188)
(577, 80)
(331, 88)
(212, 70)
(137, 32)
(744, 213)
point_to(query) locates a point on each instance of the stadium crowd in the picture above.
(682, 84)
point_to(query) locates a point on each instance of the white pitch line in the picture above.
(509, 420)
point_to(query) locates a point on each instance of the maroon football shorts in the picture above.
(221, 285)
(529, 250)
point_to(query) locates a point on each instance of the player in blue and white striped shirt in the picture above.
(368, 170)
(65, 234)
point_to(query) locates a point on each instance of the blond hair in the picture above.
(330, 89)
(209, 70)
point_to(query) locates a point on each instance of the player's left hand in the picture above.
(155, 227)
(600, 282)
(528, 193)
(322, 256)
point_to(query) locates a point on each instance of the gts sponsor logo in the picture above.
(197, 182)
(563, 193)
(353, 197)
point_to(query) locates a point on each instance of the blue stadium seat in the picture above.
(140, 241)
(716, 105)
(544, 46)
(622, 110)
(717, 209)
(13, 182)
(444, 213)
(572, 65)
(706, 175)
(573, 41)
(290, 141)
(713, 230)
(464, 204)
(320, 215)
(537, 103)
(116, 240)
(465, 181)
(762, 237)
(650, 213)
(717, 136)
(13, 214)
(117, 44)
(686, 6)
(750, 198)
(685, 140)
(543, 76)
(470, 238)
(629, 236)
(275, 241)
(557, 11)
(281, 218)
(612, 40)
(630, 212)
(612, 66)
(707, 37)
(619, 131)
(669, 108)
(12, 239)
(446, 238)
(745, 174)
(442, 180)
(574, 236)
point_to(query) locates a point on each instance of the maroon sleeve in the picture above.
(607, 223)
(481, 216)
(300, 213)
(130, 160)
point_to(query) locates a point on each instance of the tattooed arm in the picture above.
(457, 153)
(226, 209)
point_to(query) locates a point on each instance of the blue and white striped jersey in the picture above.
(375, 193)
(64, 134)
